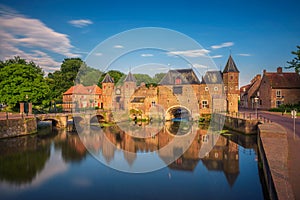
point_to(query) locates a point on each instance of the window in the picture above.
(278, 93)
(278, 103)
(153, 103)
(206, 88)
(215, 88)
(178, 81)
(216, 155)
(231, 77)
(204, 104)
(204, 138)
(177, 90)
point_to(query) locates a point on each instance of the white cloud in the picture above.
(190, 53)
(98, 54)
(31, 39)
(225, 44)
(118, 47)
(244, 54)
(146, 55)
(217, 56)
(80, 22)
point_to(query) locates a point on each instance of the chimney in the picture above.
(279, 70)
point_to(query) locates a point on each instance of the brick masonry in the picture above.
(17, 127)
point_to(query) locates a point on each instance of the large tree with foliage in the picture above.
(61, 80)
(22, 81)
(295, 63)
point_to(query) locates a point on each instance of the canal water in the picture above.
(59, 166)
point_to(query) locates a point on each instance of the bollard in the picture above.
(6, 115)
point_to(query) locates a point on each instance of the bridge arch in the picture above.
(55, 123)
(178, 112)
(97, 119)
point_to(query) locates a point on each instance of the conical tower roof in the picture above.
(130, 78)
(230, 66)
(107, 79)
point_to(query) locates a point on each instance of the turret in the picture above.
(108, 89)
(231, 85)
(129, 88)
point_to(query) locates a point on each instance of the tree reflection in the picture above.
(22, 159)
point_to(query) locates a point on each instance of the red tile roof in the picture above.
(94, 89)
(283, 80)
(80, 89)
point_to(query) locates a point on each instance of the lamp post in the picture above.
(256, 102)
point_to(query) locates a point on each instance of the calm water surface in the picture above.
(58, 166)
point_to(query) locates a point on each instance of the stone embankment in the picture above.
(17, 127)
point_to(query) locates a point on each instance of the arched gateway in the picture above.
(178, 113)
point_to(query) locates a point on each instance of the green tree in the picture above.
(158, 77)
(20, 79)
(115, 74)
(88, 76)
(142, 78)
(295, 63)
(60, 81)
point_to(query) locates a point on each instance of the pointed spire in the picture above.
(230, 66)
(108, 79)
(130, 78)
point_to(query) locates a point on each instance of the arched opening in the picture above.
(54, 122)
(178, 113)
(178, 128)
(97, 119)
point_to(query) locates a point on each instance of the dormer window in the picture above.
(178, 81)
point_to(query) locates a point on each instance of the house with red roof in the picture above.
(80, 96)
(277, 88)
(249, 92)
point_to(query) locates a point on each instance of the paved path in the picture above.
(293, 146)
(293, 137)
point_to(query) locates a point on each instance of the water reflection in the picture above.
(31, 159)
(31, 162)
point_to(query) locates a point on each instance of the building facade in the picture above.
(277, 88)
(249, 92)
(180, 94)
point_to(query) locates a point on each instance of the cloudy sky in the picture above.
(258, 34)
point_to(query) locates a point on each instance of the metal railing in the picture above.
(250, 116)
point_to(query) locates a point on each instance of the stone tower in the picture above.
(129, 88)
(231, 85)
(107, 92)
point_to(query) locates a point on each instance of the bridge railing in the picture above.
(250, 116)
(8, 115)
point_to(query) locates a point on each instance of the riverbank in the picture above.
(17, 127)
(273, 150)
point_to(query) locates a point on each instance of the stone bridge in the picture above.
(60, 120)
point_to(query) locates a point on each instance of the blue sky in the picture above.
(259, 34)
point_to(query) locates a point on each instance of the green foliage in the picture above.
(60, 81)
(142, 78)
(23, 166)
(295, 63)
(115, 74)
(148, 80)
(158, 77)
(20, 79)
(286, 108)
